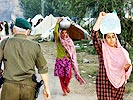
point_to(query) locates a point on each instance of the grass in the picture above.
(85, 46)
(129, 87)
(88, 70)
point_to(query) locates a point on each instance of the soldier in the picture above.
(20, 58)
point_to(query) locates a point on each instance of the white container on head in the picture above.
(110, 24)
(65, 23)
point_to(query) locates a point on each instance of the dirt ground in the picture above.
(78, 92)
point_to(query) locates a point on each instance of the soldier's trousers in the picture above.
(22, 90)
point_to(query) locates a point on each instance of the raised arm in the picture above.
(99, 19)
(96, 42)
(56, 29)
(95, 37)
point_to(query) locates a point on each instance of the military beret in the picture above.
(22, 23)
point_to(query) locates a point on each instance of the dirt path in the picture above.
(78, 92)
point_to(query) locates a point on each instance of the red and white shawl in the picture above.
(68, 44)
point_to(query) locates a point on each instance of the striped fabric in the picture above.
(105, 90)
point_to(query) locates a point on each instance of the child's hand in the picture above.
(98, 22)
(59, 20)
(102, 15)
(47, 94)
(126, 67)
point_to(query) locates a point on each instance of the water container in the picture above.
(65, 23)
(110, 24)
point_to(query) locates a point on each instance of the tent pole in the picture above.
(42, 7)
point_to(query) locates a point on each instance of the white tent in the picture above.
(36, 18)
(45, 26)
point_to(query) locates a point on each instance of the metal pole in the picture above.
(42, 7)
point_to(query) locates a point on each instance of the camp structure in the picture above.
(46, 27)
(43, 29)
(36, 18)
(76, 32)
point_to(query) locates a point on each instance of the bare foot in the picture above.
(64, 94)
(68, 90)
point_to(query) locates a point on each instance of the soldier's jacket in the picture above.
(20, 57)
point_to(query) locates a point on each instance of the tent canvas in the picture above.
(76, 32)
(46, 27)
(48, 22)
(36, 18)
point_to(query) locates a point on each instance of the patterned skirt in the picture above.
(62, 67)
(105, 90)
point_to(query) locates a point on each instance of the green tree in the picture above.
(82, 8)
(30, 7)
(121, 6)
(56, 7)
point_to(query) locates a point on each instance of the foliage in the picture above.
(120, 6)
(127, 32)
(31, 7)
(84, 46)
(81, 9)
(57, 7)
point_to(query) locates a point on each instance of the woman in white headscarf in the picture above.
(114, 62)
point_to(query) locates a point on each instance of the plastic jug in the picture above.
(110, 24)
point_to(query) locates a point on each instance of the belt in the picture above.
(27, 82)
